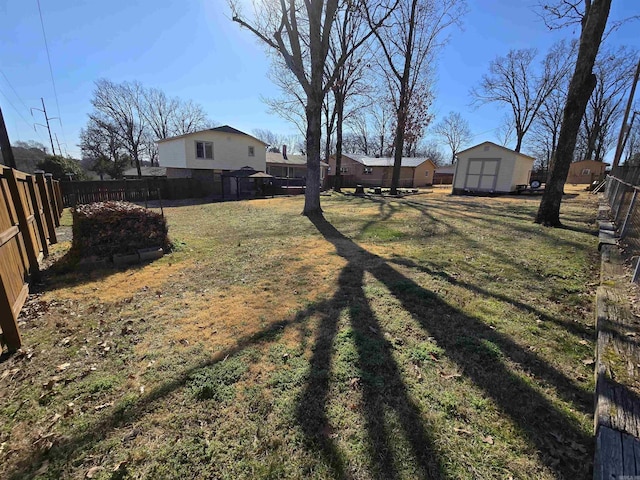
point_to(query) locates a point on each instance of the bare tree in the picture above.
(300, 33)
(189, 117)
(583, 82)
(419, 117)
(290, 104)
(513, 81)
(135, 117)
(409, 46)
(358, 140)
(101, 146)
(350, 78)
(371, 126)
(454, 131)
(117, 107)
(546, 128)
(633, 137)
(614, 73)
(432, 152)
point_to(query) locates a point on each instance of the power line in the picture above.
(55, 91)
(30, 124)
(14, 91)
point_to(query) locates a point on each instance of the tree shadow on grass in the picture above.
(466, 341)
(380, 382)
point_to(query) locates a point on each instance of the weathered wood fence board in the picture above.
(24, 209)
(76, 193)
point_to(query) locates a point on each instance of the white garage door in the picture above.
(482, 174)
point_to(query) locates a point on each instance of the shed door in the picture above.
(482, 174)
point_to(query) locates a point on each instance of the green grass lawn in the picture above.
(426, 337)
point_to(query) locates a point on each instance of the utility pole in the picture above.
(623, 128)
(626, 137)
(58, 142)
(44, 110)
(5, 146)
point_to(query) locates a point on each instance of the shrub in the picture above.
(107, 228)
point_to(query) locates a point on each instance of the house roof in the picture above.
(592, 161)
(388, 161)
(293, 160)
(446, 169)
(498, 146)
(221, 129)
(146, 172)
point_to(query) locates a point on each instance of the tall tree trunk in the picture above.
(339, 106)
(403, 102)
(580, 89)
(137, 160)
(518, 142)
(398, 145)
(313, 112)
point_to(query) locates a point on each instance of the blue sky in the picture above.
(191, 49)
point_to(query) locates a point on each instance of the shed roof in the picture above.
(498, 146)
(221, 129)
(247, 172)
(388, 161)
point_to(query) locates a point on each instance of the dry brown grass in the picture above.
(319, 351)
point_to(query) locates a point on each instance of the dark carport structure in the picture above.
(247, 181)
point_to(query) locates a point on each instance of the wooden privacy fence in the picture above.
(30, 209)
(138, 190)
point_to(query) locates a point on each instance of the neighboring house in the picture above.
(284, 165)
(208, 154)
(372, 171)
(147, 172)
(586, 171)
(444, 175)
(491, 168)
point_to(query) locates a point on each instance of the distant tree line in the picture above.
(126, 120)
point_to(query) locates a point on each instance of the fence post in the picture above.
(52, 199)
(37, 205)
(10, 333)
(46, 205)
(23, 223)
(58, 191)
(629, 212)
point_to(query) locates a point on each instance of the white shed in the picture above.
(490, 168)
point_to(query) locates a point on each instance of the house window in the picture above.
(344, 169)
(586, 171)
(204, 150)
(367, 170)
(426, 174)
(252, 152)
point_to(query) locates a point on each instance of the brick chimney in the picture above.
(284, 152)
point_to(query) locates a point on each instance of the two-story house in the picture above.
(208, 154)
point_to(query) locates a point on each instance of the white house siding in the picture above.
(171, 153)
(230, 152)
